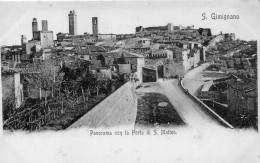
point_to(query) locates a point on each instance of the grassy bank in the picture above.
(149, 114)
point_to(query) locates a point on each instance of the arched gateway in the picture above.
(152, 73)
(160, 69)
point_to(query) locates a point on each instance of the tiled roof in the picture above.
(127, 54)
(132, 55)
(96, 48)
(114, 53)
(137, 46)
(147, 39)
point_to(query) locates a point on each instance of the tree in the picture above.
(106, 83)
(8, 106)
(46, 76)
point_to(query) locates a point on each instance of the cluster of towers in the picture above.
(44, 38)
(73, 24)
(35, 28)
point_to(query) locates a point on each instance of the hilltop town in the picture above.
(52, 84)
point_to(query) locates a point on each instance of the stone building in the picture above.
(46, 38)
(13, 89)
(5, 65)
(141, 45)
(61, 36)
(23, 42)
(95, 26)
(170, 27)
(229, 37)
(144, 41)
(44, 25)
(139, 29)
(123, 36)
(136, 61)
(181, 27)
(107, 37)
(190, 58)
(160, 53)
(34, 28)
(33, 46)
(161, 67)
(72, 23)
(16, 57)
(133, 59)
(232, 36)
(204, 31)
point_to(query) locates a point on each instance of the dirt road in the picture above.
(190, 111)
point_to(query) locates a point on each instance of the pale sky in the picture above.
(123, 17)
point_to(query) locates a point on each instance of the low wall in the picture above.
(220, 108)
(206, 108)
(210, 94)
(118, 109)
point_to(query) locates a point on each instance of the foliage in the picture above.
(227, 45)
(48, 72)
(120, 60)
(252, 49)
(243, 118)
(70, 87)
(8, 107)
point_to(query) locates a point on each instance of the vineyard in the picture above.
(43, 112)
(74, 92)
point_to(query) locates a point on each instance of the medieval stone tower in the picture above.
(44, 25)
(23, 42)
(72, 23)
(170, 27)
(34, 28)
(95, 26)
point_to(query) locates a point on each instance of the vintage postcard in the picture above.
(129, 81)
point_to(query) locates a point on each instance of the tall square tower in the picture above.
(34, 28)
(44, 25)
(72, 23)
(95, 26)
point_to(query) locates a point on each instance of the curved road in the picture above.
(190, 111)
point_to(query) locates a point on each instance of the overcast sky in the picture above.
(123, 17)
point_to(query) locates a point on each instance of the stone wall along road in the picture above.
(118, 109)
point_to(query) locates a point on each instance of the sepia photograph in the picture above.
(129, 81)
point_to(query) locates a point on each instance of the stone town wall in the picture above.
(170, 69)
(215, 40)
(118, 109)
